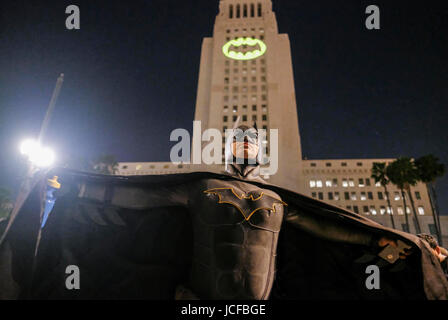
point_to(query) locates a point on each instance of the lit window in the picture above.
(344, 183)
(353, 196)
(400, 210)
(382, 210)
(390, 210)
(336, 196)
(396, 196)
(235, 109)
(328, 183)
(373, 210)
(351, 183)
(421, 211)
(226, 108)
(378, 184)
(408, 210)
(361, 182)
(312, 183)
(363, 196)
(319, 183)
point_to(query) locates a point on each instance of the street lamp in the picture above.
(39, 156)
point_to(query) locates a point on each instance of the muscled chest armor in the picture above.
(236, 227)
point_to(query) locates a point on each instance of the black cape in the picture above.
(141, 251)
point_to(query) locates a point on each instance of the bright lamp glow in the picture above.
(36, 154)
(229, 49)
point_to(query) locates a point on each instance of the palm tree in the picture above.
(105, 164)
(429, 169)
(403, 173)
(379, 174)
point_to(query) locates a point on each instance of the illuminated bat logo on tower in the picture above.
(244, 49)
(246, 203)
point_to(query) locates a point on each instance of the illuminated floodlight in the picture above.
(232, 49)
(36, 154)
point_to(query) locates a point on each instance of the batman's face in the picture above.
(245, 143)
(244, 49)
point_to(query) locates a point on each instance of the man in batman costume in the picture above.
(204, 236)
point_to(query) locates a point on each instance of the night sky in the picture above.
(131, 76)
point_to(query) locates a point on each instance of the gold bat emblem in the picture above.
(240, 202)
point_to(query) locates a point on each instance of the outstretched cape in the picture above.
(128, 246)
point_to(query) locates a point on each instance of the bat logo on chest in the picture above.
(246, 203)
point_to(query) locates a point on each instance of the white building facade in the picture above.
(246, 72)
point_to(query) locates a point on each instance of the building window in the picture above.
(264, 117)
(312, 183)
(396, 196)
(373, 210)
(380, 195)
(314, 194)
(405, 228)
(378, 184)
(335, 182)
(353, 196)
(365, 209)
(254, 107)
(319, 183)
(254, 118)
(417, 195)
(245, 10)
(313, 164)
(355, 209)
(382, 210)
(328, 183)
(336, 196)
(368, 182)
(351, 183)
(321, 196)
(225, 119)
(231, 11)
(363, 196)
(421, 211)
(349, 208)
(259, 9)
(235, 109)
(244, 118)
(359, 164)
(400, 211)
(328, 164)
(432, 229)
(226, 108)
(238, 11)
(370, 195)
(361, 182)
(124, 167)
(344, 183)
(344, 164)
(390, 210)
(330, 195)
(252, 10)
(346, 196)
(408, 210)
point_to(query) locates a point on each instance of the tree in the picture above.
(105, 164)
(403, 173)
(429, 169)
(380, 175)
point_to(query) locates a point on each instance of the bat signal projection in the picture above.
(244, 49)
